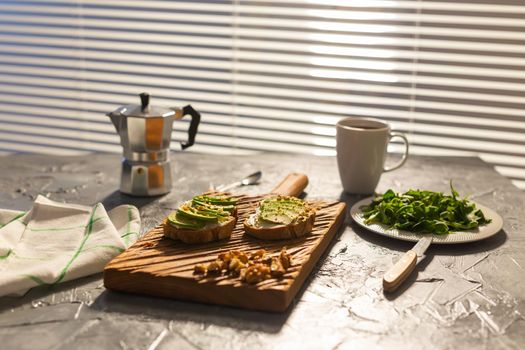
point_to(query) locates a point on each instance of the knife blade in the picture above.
(404, 266)
(421, 247)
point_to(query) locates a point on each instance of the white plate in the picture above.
(480, 233)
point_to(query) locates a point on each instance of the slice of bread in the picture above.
(300, 227)
(209, 233)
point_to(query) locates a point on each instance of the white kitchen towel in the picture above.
(56, 242)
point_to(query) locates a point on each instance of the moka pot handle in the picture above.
(194, 125)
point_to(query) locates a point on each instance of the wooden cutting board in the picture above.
(159, 266)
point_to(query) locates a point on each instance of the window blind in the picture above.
(268, 75)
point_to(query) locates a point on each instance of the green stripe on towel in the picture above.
(3, 257)
(89, 229)
(13, 219)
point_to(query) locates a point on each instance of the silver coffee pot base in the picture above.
(145, 178)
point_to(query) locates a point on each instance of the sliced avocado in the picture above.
(211, 212)
(216, 200)
(281, 210)
(196, 203)
(200, 210)
(191, 213)
(184, 222)
(277, 218)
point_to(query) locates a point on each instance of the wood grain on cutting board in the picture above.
(159, 266)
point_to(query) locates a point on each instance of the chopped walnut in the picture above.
(225, 256)
(256, 273)
(252, 268)
(236, 266)
(200, 269)
(258, 254)
(243, 258)
(221, 264)
(285, 259)
(214, 268)
(276, 267)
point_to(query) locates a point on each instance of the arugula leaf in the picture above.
(424, 211)
(453, 191)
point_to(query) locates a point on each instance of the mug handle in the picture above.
(194, 124)
(405, 154)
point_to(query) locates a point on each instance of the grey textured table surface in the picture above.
(468, 296)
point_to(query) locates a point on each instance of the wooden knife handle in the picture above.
(400, 271)
(292, 185)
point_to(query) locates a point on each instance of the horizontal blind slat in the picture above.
(267, 75)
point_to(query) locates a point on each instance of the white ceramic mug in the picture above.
(361, 152)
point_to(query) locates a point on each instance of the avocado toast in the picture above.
(280, 217)
(202, 219)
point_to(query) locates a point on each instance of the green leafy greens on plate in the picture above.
(424, 212)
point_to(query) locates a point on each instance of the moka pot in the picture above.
(145, 135)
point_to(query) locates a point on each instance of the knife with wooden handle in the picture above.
(292, 185)
(404, 266)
